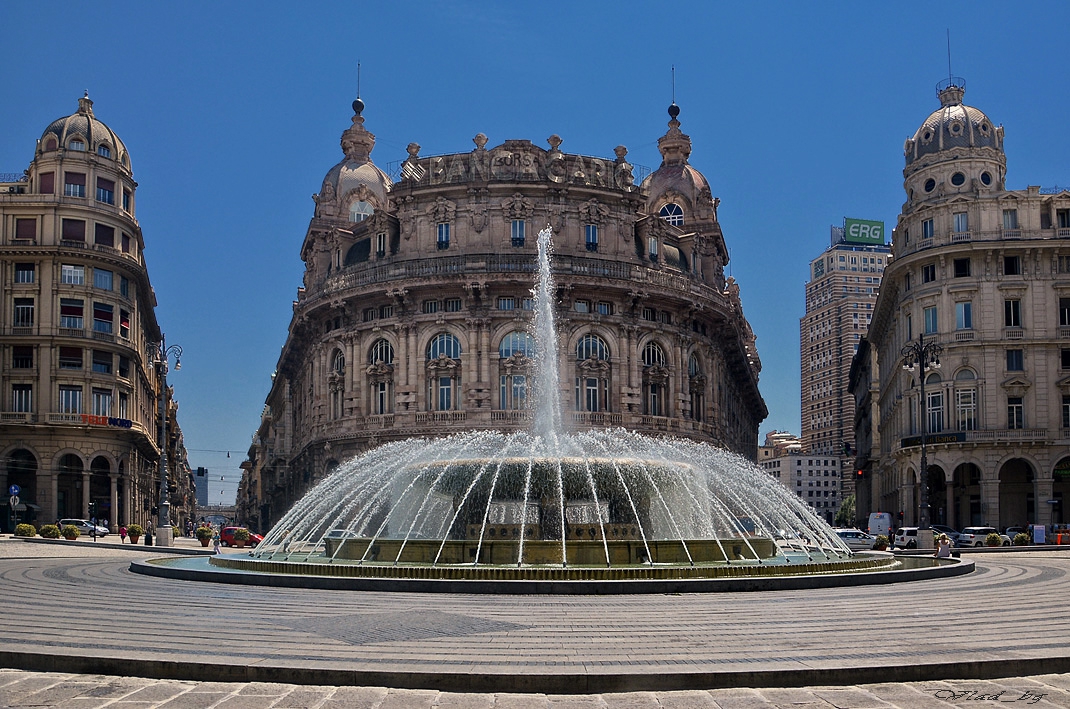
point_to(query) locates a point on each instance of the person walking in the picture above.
(122, 534)
(215, 542)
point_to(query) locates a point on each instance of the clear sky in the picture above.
(232, 113)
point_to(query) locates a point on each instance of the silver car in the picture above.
(856, 540)
(84, 527)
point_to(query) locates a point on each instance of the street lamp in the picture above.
(924, 356)
(160, 353)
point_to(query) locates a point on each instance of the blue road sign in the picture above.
(14, 490)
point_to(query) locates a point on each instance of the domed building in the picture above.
(78, 414)
(414, 315)
(979, 286)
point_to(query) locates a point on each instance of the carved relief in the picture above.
(517, 207)
(593, 212)
(442, 210)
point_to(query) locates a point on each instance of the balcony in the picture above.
(596, 418)
(964, 336)
(959, 237)
(1013, 333)
(520, 416)
(425, 417)
(17, 417)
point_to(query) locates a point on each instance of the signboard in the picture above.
(819, 268)
(14, 490)
(933, 438)
(860, 231)
(1038, 534)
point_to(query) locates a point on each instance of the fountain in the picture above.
(549, 506)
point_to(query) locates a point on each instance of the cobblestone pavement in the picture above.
(65, 691)
(68, 601)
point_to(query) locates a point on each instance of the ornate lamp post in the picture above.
(160, 353)
(923, 356)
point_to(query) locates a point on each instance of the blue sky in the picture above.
(232, 113)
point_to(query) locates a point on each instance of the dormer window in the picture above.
(673, 214)
(104, 151)
(652, 248)
(77, 144)
(359, 211)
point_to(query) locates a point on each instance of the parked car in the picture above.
(906, 538)
(85, 527)
(975, 537)
(856, 540)
(1012, 531)
(943, 528)
(226, 537)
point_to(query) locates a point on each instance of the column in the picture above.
(85, 494)
(1042, 492)
(128, 512)
(113, 517)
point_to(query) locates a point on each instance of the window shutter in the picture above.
(74, 178)
(104, 235)
(73, 230)
(25, 228)
(47, 183)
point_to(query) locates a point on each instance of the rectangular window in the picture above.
(453, 305)
(386, 311)
(74, 184)
(430, 306)
(126, 243)
(124, 324)
(126, 200)
(583, 306)
(590, 235)
(605, 308)
(105, 191)
(1010, 218)
(506, 303)
(23, 312)
(71, 313)
(1064, 358)
(101, 402)
(1066, 411)
(102, 317)
(961, 222)
(934, 408)
(527, 303)
(928, 273)
(380, 245)
(927, 229)
(124, 367)
(24, 272)
(124, 405)
(962, 267)
(102, 362)
(445, 394)
(1012, 265)
(102, 279)
(1015, 412)
(1064, 311)
(1063, 217)
(72, 275)
(73, 230)
(104, 235)
(931, 325)
(1015, 361)
(443, 236)
(964, 316)
(517, 231)
(650, 314)
(966, 409)
(70, 357)
(124, 286)
(47, 183)
(652, 248)
(26, 229)
(22, 357)
(22, 398)
(1012, 313)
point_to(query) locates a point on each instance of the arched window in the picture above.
(359, 211)
(697, 388)
(381, 377)
(103, 151)
(69, 501)
(77, 144)
(934, 403)
(966, 400)
(592, 374)
(673, 214)
(443, 372)
(655, 379)
(336, 383)
(514, 361)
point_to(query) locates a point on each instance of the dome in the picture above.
(91, 130)
(953, 125)
(356, 178)
(675, 176)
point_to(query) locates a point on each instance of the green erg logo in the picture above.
(860, 231)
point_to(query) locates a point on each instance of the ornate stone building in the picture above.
(413, 319)
(78, 417)
(984, 273)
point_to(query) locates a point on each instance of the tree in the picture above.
(846, 516)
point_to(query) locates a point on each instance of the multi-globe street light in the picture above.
(923, 356)
(160, 353)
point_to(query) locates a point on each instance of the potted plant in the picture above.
(49, 531)
(241, 536)
(134, 531)
(204, 534)
(70, 532)
(25, 530)
(880, 543)
(993, 540)
(1021, 539)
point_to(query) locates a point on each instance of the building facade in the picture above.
(413, 319)
(982, 272)
(813, 477)
(78, 417)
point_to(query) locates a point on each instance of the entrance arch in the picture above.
(69, 486)
(966, 483)
(1060, 490)
(1017, 501)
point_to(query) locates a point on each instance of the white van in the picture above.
(880, 523)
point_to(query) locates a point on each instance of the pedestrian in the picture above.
(943, 546)
(215, 542)
(104, 524)
(122, 534)
(148, 533)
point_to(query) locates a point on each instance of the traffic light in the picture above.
(859, 474)
(92, 510)
(900, 519)
(155, 510)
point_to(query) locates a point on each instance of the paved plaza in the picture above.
(80, 630)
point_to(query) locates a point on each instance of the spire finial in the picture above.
(949, 77)
(358, 105)
(674, 110)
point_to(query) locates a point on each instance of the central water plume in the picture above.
(547, 381)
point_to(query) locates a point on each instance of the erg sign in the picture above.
(860, 231)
